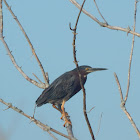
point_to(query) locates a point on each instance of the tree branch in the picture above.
(1, 20)
(30, 44)
(45, 75)
(132, 48)
(123, 101)
(100, 12)
(127, 30)
(124, 108)
(19, 68)
(119, 86)
(76, 63)
(10, 54)
(37, 122)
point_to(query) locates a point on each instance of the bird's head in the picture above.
(85, 70)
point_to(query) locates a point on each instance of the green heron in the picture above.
(65, 87)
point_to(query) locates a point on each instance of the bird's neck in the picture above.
(83, 78)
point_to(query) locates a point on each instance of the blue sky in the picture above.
(47, 25)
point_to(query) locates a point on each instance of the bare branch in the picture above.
(100, 12)
(131, 120)
(45, 75)
(99, 125)
(19, 68)
(31, 46)
(130, 60)
(119, 86)
(1, 20)
(10, 54)
(91, 109)
(124, 108)
(37, 122)
(104, 24)
(12, 57)
(76, 63)
(123, 102)
(38, 79)
(69, 131)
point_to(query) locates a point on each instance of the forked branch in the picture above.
(10, 54)
(123, 100)
(37, 122)
(31, 46)
(127, 30)
(76, 63)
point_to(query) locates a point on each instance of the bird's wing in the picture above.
(57, 90)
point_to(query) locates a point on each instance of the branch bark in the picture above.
(1, 20)
(76, 63)
(30, 44)
(37, 122)
(132, 48)
(123, 100)
(127, 29)
(45, 75)
(10, 54)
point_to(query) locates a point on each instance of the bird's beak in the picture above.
(95, 69)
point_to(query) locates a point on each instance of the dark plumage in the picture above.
(65, 86)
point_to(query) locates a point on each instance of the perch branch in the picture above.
(38, 123)
(76, 63)
(45, 75)
(127, 30)
(30, 44)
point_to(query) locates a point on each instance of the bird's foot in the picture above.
(65, 114)
(67, 121)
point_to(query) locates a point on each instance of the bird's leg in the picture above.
(57, 108)
(64, 114)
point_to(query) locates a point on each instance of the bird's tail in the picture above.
(40, 101)
(38, 104)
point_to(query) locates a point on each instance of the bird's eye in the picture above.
(86, 68)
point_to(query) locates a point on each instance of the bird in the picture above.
(65, 87)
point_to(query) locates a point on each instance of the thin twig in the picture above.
(76, 63)
(101, 23)
(99, 125)
(38, 79)
(37, 122)
(119, 86)
(132, 48)
(91, 109)
(1, 20)
(100, 12)
(131, 120)
(31, 46)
